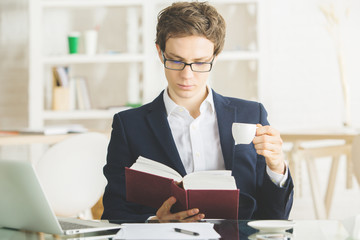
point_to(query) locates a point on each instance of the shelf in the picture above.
(233, 1)
(120, 3)
(99, 58)
(82, 114)
(238, 55)
(126, 57)
(90, 3)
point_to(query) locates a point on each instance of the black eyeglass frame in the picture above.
(186, 64)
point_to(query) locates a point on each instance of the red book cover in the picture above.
(152, 190)
(147, 189)
(221, 204)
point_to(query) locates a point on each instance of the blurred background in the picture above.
(299, 58)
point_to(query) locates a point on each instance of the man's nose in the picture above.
(187, 72)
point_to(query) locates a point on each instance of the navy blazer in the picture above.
(145, 131)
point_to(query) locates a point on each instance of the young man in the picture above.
(188, 127)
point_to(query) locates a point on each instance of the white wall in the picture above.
(301, 83)
(300, 86)
(13, 63)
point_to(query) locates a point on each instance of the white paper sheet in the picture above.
(166, 231)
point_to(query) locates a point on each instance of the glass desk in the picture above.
(228, 229)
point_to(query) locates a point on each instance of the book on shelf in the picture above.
(82, 93)
(74, 96)
(61, 76)
(214, 193)
(47, 130)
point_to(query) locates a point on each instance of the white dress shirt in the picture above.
(198, 141)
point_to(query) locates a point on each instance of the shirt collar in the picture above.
(170, 105)
(209, 99)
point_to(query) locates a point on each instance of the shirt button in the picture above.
(180, 109)
(197, 154)
(193, 127)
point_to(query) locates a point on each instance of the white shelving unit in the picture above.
(129, 27)
(237, 71)
(238, 56)
(81, 114)
(99, 58)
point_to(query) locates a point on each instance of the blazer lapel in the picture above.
(157, 119)
(226, 115)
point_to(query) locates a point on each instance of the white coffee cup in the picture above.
(243, 133)
(91, 42)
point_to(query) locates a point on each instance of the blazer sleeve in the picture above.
(273, 202)
(119, 156)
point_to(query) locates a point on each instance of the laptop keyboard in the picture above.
(71, 226)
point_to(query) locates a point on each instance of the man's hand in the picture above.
(268, 143)
(164, 215)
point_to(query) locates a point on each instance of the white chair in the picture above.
(71, 174)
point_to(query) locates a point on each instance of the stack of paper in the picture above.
(48, 130)
(167, 231)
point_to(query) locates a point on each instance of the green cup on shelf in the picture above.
(73, 40)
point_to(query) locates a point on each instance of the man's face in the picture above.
(186, 85)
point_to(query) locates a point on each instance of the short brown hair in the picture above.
(183, 19)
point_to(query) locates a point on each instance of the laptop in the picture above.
(23, 204)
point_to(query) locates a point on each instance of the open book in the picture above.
(214, 192)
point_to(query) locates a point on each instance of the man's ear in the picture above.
(159, 52)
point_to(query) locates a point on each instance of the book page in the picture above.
(149, 166)
(217, 179)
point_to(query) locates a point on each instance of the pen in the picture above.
(186, 231)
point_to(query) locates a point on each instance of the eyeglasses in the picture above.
(195, 66)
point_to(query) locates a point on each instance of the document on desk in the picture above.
(167, 231)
